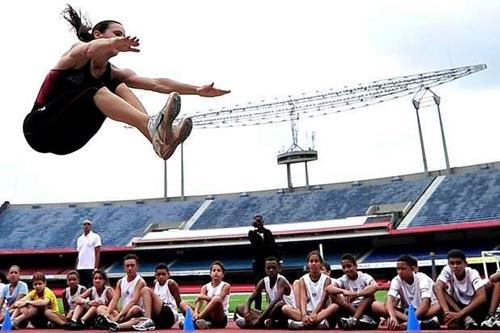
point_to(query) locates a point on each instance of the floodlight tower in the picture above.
(425, 97)
(320, 103)
(295, 154)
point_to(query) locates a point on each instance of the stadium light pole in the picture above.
(182, 171)
(165, 198)
(437, 100)
(416, 104)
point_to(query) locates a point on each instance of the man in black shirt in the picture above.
(263, 246)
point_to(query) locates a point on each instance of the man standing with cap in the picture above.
(88, 246)
(263, 246)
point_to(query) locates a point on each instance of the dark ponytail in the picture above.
(82, 28)
(82, 25)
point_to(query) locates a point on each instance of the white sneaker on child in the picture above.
(145, 325)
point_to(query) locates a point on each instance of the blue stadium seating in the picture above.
(23, 227)
(310, 205)
(463, 198)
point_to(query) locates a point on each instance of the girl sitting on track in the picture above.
(216, 296)
(71, 293)
(315, 312)
(100, 294)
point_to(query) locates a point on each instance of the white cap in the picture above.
(87, 221)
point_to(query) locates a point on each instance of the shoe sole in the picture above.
(202, 324)
(170, 111)
(144, 329)
(186, 128)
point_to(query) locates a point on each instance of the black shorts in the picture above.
(67, 123)
(219, 324)
(479, 313)
(165, 319)
(279, 319)
(38, 321)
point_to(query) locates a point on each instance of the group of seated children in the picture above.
(130, 306)
(458, 299)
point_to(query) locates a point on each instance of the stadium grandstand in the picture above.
(424, 214)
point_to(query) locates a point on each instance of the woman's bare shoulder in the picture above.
(72, 59)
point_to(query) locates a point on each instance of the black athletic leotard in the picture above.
(64, 117)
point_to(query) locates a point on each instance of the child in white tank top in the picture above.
(280, 295)
(71, 292)
(161, 303)
(100, 294)
(314, 309)
(216, 296)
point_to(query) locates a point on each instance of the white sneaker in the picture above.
(430, 324)
(323, 325)
(180, 134)
(470, 323)
(367, 322)
(497, 321)
(160, 125)
(145, 325)
(348, 323)
(295, 325)
(241, 322)
(203, 324)
(489, 322)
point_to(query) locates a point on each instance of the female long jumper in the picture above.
(84, 88)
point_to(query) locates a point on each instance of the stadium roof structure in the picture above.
(321, 103)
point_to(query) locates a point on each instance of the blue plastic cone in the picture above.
(7, 325)
(188, 322)
(413, 324)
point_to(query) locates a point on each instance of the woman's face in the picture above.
(113, 30)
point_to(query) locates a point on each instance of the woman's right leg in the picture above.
(165, 141)
(116, 108)
(124, 92)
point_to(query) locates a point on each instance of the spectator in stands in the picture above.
(128, 292)
(12, 291)
(280, 294)
(315, 312)
(461, 293)
(263, 246)
(71, 293)
(216, 295)
(39, 306)
(88, 301)
(492, 321)
(409, 288)
(162, 303)
(358, 289)
(88, 246)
